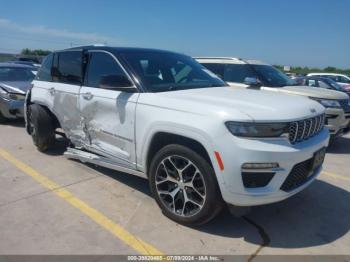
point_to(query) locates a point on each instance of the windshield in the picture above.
(335, 85)
(11, 74)
(165, 71)
(272, 77)
(237, 73)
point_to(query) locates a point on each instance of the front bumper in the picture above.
(11, 109)
(337, 121)
(280, 151)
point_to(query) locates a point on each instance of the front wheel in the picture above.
(2, 118)
(184, 185)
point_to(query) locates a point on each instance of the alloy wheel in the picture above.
(180, 186)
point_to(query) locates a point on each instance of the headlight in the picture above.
(11, 96)
(18, 97)
(244, 129)
(4, 94)
(328, 103)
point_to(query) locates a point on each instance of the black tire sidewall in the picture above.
(213, 203)
(44, 129)
(2, 118)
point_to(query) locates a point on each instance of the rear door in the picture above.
(108, 115)
(66, 83)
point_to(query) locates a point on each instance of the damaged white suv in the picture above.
(163, 116)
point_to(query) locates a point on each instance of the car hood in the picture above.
(311, 92)
(236, 104)
(307, 91)
(20, 87)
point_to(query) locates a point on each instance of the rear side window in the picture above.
(68, 67)
(44, 73)
(101, 65)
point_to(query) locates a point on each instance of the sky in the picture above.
(297, 33)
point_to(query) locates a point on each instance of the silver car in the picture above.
(15, 80)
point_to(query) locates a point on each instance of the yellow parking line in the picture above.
(335, 176)
(128, 238)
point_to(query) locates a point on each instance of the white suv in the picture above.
(162, 116)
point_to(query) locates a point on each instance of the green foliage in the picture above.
(305, 70)
(36, 52)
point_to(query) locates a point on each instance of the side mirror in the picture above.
(117, 82)
(252, 82)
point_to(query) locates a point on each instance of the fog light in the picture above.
(260, 165)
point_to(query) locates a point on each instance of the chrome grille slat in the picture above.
(296, 131)
(319, 126)
(304, 129)
(317, 119)
(314, 127)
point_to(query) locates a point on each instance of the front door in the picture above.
(108, 115)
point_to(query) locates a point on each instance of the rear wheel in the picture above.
(41, 127)
(184, 185)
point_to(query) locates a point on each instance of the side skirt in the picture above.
(87, 157)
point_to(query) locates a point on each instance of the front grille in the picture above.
(304, 129)
(345, 105)
(299, 175)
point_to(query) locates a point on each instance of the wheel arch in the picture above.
(28, 102)
(161, 139)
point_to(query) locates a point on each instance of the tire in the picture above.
(2, 119)
(205, 190)
(41, 127)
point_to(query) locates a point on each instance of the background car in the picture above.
(255, 74)
(341, 79)
(15, 80)
(28, 63)
(322, 82)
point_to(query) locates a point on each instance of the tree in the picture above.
(330, 69)
(305, 70)
(36, 52)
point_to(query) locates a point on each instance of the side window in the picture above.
(103, 70)
(217, 69)
(68, 67)
(311, 82)
(44, 73)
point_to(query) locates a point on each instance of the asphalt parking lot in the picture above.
(51, 205)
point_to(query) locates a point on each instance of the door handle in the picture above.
(52, 91)
(88, 96)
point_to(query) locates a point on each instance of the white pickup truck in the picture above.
(163, 116)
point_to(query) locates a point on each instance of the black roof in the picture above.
(117, 49)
